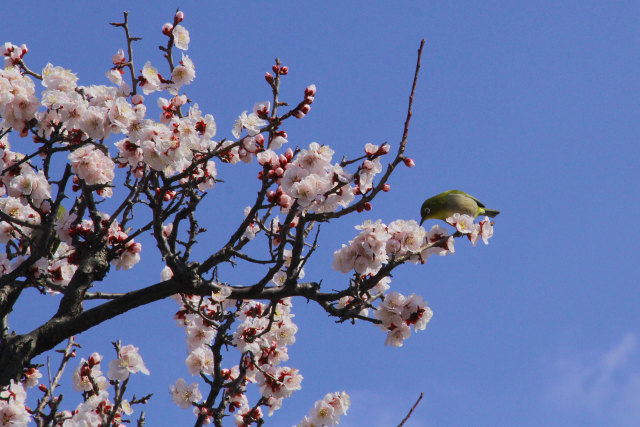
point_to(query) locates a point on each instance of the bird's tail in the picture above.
(491, 212)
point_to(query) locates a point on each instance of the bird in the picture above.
(449, 202)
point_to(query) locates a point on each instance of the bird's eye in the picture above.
(426, 211)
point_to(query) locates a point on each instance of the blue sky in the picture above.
(530, 106)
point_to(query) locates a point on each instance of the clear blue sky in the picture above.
(530, 106)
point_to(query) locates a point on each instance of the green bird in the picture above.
(446, 204)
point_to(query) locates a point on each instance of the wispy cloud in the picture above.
(604, 385)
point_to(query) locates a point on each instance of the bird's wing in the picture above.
(468, 195)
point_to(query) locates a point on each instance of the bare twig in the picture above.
(411, 411)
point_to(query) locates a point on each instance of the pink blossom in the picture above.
(323, 414)
(252, 123)
(462, 223)
(151, 79)
(58, 78)
(92, 165)
(180, 37)
(184, 395)
(200, 360)
(128, 362)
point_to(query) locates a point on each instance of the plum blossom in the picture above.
(252, 123)
(88, 374)
(94, 123)
(278, 382)
(129, 256)
(406, 237)
(58, 78)
(323, 414)
(247, 416)
(369, 169)
(18, 103)
(31, 377)
(463, 223)
(184, 73)
(433, 236)
(150, 79)
(181, 37)
(221, 294)
(366, 252)
(183, 395)
(311, 180)
(91, 411)
(398, 313)
(199, 334)
(14, 207)
(12, 405)
(483, 229)
(200, 360)
(92, 165)
(30, 184)
(61, 271)
(128, 362)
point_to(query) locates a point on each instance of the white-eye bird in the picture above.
(449, 202)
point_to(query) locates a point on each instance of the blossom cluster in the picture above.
(483, 229)
(398, 313)
(88, 379)
(308, 179)
(12, 405)
(377, 243)
(327, 411)
(262, 336)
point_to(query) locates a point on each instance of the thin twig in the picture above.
(411, 411)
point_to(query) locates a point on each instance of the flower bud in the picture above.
(298, 114)
(178, 17)
(386, 187)
(284, 70)
(276, 69)
(285, 200)
(310, 90)
(166, 29)
(305, 108)
(137, 99)
(268, 77)
(118, 57)
(409, 162)
(289, 154)
(95, 359)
